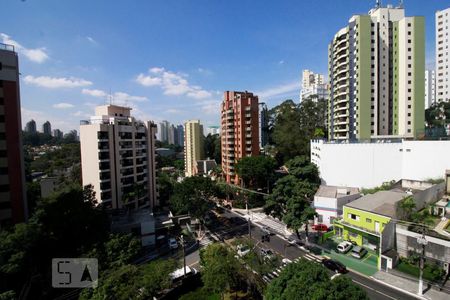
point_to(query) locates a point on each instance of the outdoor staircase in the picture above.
(440, 228)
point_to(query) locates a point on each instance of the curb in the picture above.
(398, 289)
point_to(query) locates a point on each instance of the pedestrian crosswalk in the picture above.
(205, 241)
(268, 277)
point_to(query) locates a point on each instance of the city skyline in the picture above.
(69, 68)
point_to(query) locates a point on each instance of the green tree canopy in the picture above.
(212, 147)
(192, 196)
(308, 280)
(220, 268)
(291, 198)
(256, 171)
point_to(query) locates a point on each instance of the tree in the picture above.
(192, 196)
(407, 206)
(120, 249)
(133, 282)
(212, 147)
(291, 198)
(308, 280)
(256, 171)
(220, 268)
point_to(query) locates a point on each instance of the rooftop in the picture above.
(328, 191)
(7, 47)
(382, 202)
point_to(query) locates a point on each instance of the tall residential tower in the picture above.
(118, 158)
(442, 55)
(193, 145)
(13, 204)
(240, 130)
(376, 71)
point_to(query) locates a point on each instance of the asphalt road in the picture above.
(374, 289)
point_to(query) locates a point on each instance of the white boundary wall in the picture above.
(367, 165)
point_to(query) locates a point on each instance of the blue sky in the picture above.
(172, 59)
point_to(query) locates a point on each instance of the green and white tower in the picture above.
(376, 71)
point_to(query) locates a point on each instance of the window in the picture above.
(368, 220)
(353, 217)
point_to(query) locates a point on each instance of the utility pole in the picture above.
(423, 242)
(184, 254)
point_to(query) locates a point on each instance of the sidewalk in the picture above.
(408, 285)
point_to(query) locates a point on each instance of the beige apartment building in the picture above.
(240, 130)
(118, 158)
(193, 146)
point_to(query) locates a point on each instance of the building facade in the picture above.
(376, 71)
(313, 85)
(13, 204)
(430, 88)
(240, 130)
(442, 55)
(58, 133)
(180, 136)
(47, 128)
(30, 126)
(164, 131)
(370, 164)
(193, 146)
(118, 158)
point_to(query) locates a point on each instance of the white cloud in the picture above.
(174, 111)
(94, 93)
(174, 84)
(148, 80)
(63, 105)
(91, 40)
(38, 55)
(210, 107)
(280, 90)
(79, 113)
(281, 62)
(55, 82)
(120, 98)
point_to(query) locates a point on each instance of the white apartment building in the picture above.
(443, 55)
(430, 88)
(193, 146)
(118, 158)
(313, 84)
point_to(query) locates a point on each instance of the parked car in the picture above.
(344, 247)
(320, 227)
(334, 266)
(173, 243)
(242, 250)
(358, 252)
(267, 254)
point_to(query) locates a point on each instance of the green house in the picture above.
(369, 221)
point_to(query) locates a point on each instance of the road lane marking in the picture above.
(370, 288)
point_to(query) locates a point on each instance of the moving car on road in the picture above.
(344, 247)
(334, 265)
(358, 252)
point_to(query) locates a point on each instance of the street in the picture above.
(374, 289)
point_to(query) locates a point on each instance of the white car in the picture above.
(242, 250)
(344, 247)
(173, 243)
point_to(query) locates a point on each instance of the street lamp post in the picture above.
(423, 242)
(184, 254)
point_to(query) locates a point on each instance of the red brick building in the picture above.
(13, 208)
(240, 130)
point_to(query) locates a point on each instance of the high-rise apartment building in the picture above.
(118, 158)
(13, 204)
(313, 85)
(57, 133)
(430, 88)
(240, 130)
(443, 55)
(376, 71)
(47, 128)
(180, 135)
(30, 126)
(172, 135)
(164, 131)
(193, 146)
